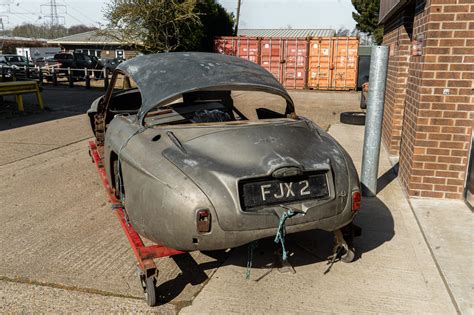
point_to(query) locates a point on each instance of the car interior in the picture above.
(196, 107)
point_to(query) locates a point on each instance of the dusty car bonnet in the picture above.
(165, 76)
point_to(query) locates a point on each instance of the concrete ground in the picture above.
(394, 274)
(62, 249)
(448, 229)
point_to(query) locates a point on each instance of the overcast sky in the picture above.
(254, 13)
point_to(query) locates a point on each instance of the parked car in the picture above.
(77, 61)
(111, 64)
(197, 171)
(44, 61)
(15, 61)
(17, 64)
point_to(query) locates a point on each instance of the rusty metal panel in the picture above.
(295, 61)
(286, 59)
(320, 63)
(345, 63)
(333, 63)
(286, 33)
(243, 47)
(225, 45)
(272, 58)
(325, 63)
(248, 48)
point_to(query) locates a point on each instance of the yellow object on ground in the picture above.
(18, 88)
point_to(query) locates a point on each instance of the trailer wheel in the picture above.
(149, 289)
(348, 256)
(353, 118)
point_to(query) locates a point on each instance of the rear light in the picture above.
(355, 201)
(203, 221)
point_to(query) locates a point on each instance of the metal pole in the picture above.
(237, 18)
(70, 77)
(106, 79)
(55, 77)
(88, 78)
(373, 121)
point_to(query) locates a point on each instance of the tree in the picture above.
(215, 21)
(39, 31)
(167, 25)
(367, 18)
(81, 28)
(48, 32)
(152, 25)
(343, 31)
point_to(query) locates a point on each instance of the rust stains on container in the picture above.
(295, 63)
(326, 63)
(333, 63)
(243, 47)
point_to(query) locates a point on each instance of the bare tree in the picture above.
(342, 32)
(355, 32)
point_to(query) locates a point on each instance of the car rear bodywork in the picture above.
(244, 174)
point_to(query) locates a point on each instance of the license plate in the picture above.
(272, 191)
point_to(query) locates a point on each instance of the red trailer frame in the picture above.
(143, 254)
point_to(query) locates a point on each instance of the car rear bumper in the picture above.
(220, 239)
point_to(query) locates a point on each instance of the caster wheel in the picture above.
(348, 255)
(149, 289)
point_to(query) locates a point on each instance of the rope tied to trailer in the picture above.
(281, 231)
(279, 238)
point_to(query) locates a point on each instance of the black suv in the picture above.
(77, 61)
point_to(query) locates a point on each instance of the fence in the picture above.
(57, 76)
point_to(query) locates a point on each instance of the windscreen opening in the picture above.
(218, 107)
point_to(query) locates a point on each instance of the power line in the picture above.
(82, 14)
(23, 18)
(80, 22)
(25, 11)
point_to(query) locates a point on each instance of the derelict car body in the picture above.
(197, 174)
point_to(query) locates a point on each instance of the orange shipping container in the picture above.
(286, 60)
(271, 50)
(243, 47)
(333, 63)
(326, 63)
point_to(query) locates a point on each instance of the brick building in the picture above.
(429, 103)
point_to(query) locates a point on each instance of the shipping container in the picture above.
(271, 50)
(333, 63)
(295, 55)
(243, 47)
(298, 63)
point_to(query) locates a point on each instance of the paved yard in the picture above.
(63, 249)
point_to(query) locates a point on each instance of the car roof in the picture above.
(166, 76)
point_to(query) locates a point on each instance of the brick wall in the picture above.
(436, 127)
(398, 37)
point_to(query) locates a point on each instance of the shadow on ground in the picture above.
(60, 102)
(191, 273)
(305, 248)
